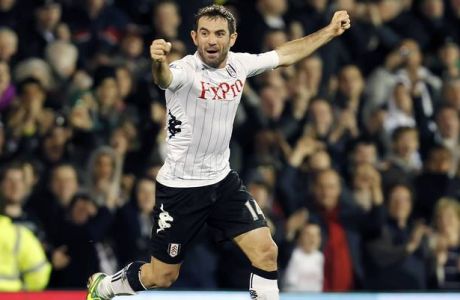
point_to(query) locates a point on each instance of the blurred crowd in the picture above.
(353, 154)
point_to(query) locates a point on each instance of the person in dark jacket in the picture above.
(435, 182)
(134, 222)
(397, 260)
(41, 30)
(81, 235)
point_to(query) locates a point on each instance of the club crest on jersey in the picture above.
(231, 71)
(173, 249)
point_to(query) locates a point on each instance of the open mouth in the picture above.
(212, 52)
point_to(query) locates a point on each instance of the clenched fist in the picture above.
(340, 22)
(159, 49)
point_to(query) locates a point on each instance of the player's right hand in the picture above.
(159, 49)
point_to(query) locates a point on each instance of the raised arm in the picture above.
(162, 75)
(293, 51)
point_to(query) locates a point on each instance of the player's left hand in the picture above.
(340, 22)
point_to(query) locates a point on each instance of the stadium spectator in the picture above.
(166, 20)
(344, 227)
(446, 244)
(36, 68)
(134, 222)
(10, 13)
(350, 94)
(448, 131)
(401, 250)
(84, 221)
(265, 15)
(436, 172)
(103, 177)
(453, 14)
(8, 44)
(43, 29)
(30, 119)
(7, 89)
(96, 27)
(51, 201)
(24, 265)
(108, 105)
(366, 186)
(305, 271)
(433, 19)
(62, 57)
(14, 194)
(451, 92)
(400, 109)
(448, 56)
(312, 68)
(403, 162)
(131, 54)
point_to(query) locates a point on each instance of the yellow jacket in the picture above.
(23, 264)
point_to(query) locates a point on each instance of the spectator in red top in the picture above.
(344, 226)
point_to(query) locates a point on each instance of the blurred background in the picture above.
(353, 154)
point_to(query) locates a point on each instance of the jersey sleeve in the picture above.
(258, 63)
(181, 75)
(33, 265)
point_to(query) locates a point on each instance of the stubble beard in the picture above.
(215, 63)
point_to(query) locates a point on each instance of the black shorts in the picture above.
(180, 213)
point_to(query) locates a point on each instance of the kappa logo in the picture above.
(164, 220)
(173, 125)
(173, 249)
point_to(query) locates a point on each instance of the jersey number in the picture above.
(254, 209)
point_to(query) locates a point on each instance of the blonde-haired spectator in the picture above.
(62, 57)
(446, 243)
(8, 44)
(103, 177)
(36, 68)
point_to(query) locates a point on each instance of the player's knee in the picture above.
(267, 256)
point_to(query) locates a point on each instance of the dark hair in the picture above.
(366, 141)
(165, 2)
(82, 195)
(29, 80)
(14, 165)
(216, 11)
(445, 106)
(400, 183)
(133, 194)
(438, 148)
(398, 132)
(102, 73)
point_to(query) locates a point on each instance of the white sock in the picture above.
(114, 285)
(263, 288)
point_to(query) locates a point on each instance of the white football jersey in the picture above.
(201, 104)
